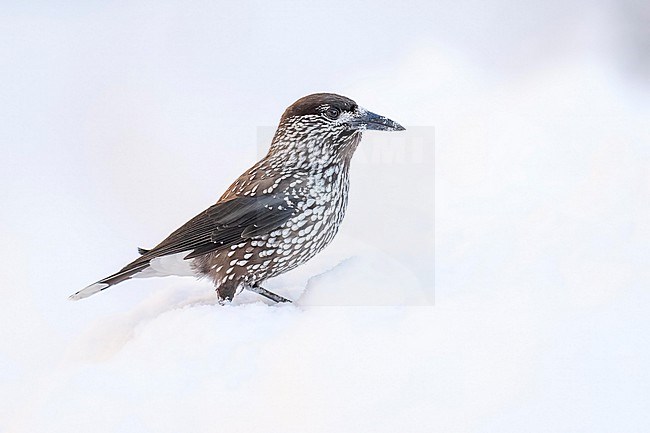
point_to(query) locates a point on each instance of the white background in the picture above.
(121, 120)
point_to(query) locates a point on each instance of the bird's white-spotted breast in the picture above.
(319, 199)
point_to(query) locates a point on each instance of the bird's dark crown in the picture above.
(323, 127)
(313, 104)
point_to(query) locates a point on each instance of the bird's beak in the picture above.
(365, 120)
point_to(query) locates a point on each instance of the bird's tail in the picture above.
(127, 272)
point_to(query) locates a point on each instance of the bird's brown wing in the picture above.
(226, 223)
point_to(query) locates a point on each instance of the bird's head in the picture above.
(325, 125)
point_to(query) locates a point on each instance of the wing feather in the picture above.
(225, 224)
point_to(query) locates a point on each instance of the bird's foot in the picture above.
(270, 295)
(222, 301)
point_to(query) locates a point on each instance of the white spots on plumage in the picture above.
(314, 183)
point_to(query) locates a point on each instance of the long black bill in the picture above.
(366, 120)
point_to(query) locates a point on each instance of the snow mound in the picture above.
(366, 280)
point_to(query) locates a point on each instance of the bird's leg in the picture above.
(226, 293)
(262, 291)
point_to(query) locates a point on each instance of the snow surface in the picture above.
(124, 120)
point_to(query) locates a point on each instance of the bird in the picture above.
(277, 215)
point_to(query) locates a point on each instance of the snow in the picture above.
(124, 123)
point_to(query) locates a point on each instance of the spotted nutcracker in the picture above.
(278, 214)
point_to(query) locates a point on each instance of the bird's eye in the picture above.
(332, 112)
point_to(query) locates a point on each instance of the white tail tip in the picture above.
(88, 291)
